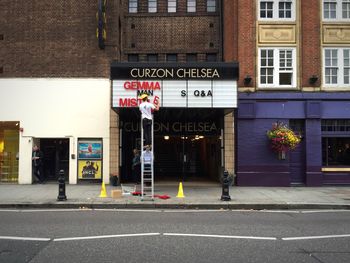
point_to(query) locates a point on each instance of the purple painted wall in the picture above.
(257, 164)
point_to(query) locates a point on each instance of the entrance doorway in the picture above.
(56, 157)
(187, 143)
(187, 158)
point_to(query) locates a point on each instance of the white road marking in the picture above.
(314, 237)
(195, 211)
(25, 238)
(9, 210)
(128, 210)
(55, 210)
(220, 236)
(324, 211)
(107, 236)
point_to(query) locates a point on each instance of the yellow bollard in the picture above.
(103, 191)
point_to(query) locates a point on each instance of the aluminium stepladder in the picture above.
(147, 169)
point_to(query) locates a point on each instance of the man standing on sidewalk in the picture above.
(37, 161)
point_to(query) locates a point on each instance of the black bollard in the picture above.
(225, 187)
(61, 187)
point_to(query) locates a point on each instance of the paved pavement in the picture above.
(197, 195)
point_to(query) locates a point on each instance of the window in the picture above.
(336, 151)
(277, 10)
(336, 9)
(336, 67)
(191, 57)
(335, 126)
(172, 6)
(191, 6)
(171, 57)
(277, 67)
(152, 57)
(152, 6)
(132, 6)
(211, 5)
(211, 57)
(133, 57)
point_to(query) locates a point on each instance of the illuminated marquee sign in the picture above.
(202, 85)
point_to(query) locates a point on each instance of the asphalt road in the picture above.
(174, 236)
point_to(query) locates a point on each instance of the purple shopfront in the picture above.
(322, 157)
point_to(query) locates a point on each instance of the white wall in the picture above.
(57, 108)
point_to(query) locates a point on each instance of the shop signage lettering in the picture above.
(134, 102)
(177, 127)
(181, 73)
(141, 85)
(198, 93)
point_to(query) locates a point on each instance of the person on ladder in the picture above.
(146, 109)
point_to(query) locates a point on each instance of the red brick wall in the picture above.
(178, 33)
(230, 30)
(55, 38)
(310, 42)
(246, 40)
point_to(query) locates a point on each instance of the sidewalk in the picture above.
(197, 196)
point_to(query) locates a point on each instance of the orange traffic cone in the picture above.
(103, 190)
(180, 193)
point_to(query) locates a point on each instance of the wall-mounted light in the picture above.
(166, 137)
(313, 79)
(247, 80)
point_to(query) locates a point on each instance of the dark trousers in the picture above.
(39, 172)
(136, 174)
(147, 130)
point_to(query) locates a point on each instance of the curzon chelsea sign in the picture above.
(199, 85)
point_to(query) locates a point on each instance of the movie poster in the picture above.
(89, 169)
(90, 150)
(90, 159)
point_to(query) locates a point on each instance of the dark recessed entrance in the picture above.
(187, 143)
(56, 157)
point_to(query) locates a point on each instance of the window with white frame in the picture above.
(336, 10)
(133, 6)
(191, 6)
(277, 67)
(211, 5)
(276, 10)
(172, 6)
(152, 6)
(336, 63)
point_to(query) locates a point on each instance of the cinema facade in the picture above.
(193, 131)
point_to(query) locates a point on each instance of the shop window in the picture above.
(336, 151)
(152, 6)
(336, 63)
(277, 67)
(133, 57)
(211, 6)
(172, 6)
(171, 57)
(336, 10)
(152, 57)
(9, 151)
(276, 10)
(191, 6)
(133, 6)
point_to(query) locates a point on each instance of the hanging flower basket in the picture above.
(282, 139)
